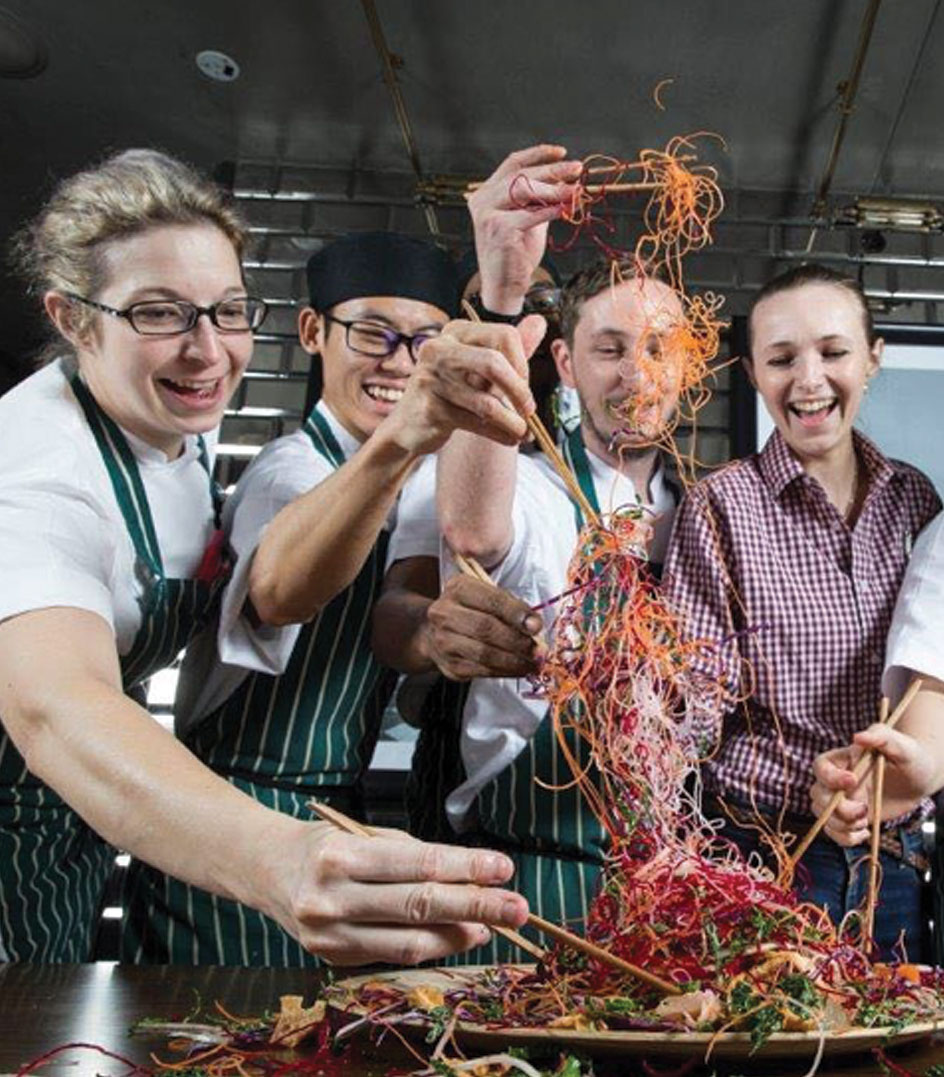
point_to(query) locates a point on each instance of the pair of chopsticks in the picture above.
(592, 188)
(860, 770)
(350, 826)
(549, 448)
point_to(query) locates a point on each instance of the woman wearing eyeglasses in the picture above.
(112, 560)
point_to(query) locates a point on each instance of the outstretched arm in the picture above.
(349, 899)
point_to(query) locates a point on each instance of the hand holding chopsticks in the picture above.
(860, 771)
(341, 821)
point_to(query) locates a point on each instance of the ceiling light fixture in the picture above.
(891, 215)
(217, 66)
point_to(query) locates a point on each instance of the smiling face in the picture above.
(624, 367)
(163, 388)
(362, 390)
(811, 361)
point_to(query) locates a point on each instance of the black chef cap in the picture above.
(382, 263)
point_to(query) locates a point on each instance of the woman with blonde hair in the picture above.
(111, 562)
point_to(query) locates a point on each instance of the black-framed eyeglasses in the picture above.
(171, 317)
(370, 338)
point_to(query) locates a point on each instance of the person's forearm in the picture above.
(400, 631)
(924, 722)
(139, 788)
(316, 546)
(475, 492)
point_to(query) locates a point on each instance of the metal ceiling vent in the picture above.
(22, 52)
(217, 66)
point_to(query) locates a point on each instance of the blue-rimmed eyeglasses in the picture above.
(171, 317)
(369, 338)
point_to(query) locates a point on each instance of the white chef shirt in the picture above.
(222, 656)
(916, 638)
(499, 719)
(63, 539)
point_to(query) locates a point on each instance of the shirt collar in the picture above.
(348, 443)
(779, 467)
(663, 485)
(145, 453)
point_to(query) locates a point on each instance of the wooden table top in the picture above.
(45, 1006)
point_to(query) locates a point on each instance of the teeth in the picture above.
(381, 392)
(196, 386)
(809, 406)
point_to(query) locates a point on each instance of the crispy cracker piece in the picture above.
(426, 997)
(295, 1023)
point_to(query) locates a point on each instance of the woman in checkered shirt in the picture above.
(791, 561)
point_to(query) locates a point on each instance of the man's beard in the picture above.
(615, 442)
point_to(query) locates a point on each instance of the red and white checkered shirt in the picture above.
(798, 604)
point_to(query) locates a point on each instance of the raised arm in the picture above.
(510, 214)
(316, 545)
(349, 899)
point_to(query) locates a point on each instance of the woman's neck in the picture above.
(840, 475)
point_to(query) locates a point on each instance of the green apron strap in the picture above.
(216, 491)
(317, 428)
(575, 453)
(125, 478)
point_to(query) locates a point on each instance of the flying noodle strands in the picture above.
(636, 706)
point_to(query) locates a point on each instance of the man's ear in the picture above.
(311, 327)
(748, 364)
(564, 362)
(62, 313)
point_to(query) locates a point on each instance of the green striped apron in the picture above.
(53, 867)
(555, 841)
(436, 768)
(308, 732)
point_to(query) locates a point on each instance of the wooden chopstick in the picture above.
(619, 188)
(878, 791)
(592, 950)
(590, 188)
(546, 442)
(351, 826)
(860, 770)
(470, 567)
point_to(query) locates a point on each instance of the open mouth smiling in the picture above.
(811, 412)
(385, 393)
(197, 390)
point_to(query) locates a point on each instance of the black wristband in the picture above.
(486, 315)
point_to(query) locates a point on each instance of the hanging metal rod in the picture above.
(388, 61)
(848, 89)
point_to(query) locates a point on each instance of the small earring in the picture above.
(865, 387)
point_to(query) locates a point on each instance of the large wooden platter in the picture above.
(727, 1045)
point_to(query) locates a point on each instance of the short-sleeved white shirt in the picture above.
(499, 718)
(417, 527)
(916, 638)
(63, 539)
(221, 657)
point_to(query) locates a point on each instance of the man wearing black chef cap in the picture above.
(284, 696)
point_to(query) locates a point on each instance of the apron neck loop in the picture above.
(575, 453)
